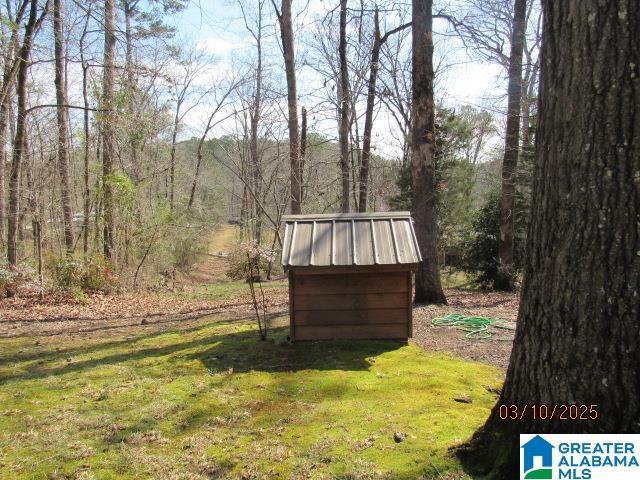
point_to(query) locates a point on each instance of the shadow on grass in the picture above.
(244, 353)
(241, 350)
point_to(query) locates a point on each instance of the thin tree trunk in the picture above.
(63, 122)
(578, 335)
(253, 141)
(343, 127)
(368, 116)
(19, 140)
(505, 278)
(108, 121)
(428, 287)
(378, 41)
(286, 33)
(87, 190)
(128, 7)
(303, 149)
(172, 161)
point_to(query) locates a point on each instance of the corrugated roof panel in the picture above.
(404, 237)
(342, 249)
(286, 243)
(322, 244)
(349, 239)
(364, 243)
(301, 244)
(384, 242)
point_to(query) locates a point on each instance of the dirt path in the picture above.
(214, 266)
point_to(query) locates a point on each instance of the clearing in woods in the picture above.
(189, 391)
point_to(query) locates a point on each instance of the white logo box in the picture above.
(580, 456)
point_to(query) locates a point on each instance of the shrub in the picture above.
(95, 274)
(480, 256)
(11, 279)
(187, 250)
(249, 260)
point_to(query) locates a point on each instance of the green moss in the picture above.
(168, 405)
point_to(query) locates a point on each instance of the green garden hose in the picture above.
(477, 328)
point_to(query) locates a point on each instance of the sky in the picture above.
(217, 28)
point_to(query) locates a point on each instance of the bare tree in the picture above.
(378, 41)
(8, 75)
(428, 287)
(344, 102)
(23, 60)
(108, 124)
(63, 124)
(286, 33)
(505, 280)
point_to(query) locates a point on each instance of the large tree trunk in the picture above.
(19, 139)
(511, 146)
(63, 123)
(428, 287)
(578, 334)
(286, 31)
(343, 127)
(108, 124)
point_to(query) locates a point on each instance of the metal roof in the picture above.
(382, 238)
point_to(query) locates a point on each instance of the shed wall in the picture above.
(350, 305)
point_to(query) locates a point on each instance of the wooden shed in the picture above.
(350, 275)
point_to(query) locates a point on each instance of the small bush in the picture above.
(249, 260)
(187, 250)
(12, 278)
(96, 274)
(480, 256)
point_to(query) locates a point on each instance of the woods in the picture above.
(206, 186)
(147, 144)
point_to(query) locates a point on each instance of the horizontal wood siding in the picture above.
(397, 331)
(353, 305)
(350, 301)
(393, 282)
(351, 317)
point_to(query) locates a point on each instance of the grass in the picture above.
(227, 289)
(167, 405)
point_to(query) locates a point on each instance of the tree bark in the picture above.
(505, 278)
(256, 161)
(129, 10)
(378, 41)
(303, 149)
(86, 173)
(286, 31)
(19, 140)
(63, 123)
(172, 160)
(7, 85)
(343, 128)
(577, 338)
(108, 124)
(428, 287)
(368, 115)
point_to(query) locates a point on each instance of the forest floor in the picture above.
(178, 385)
